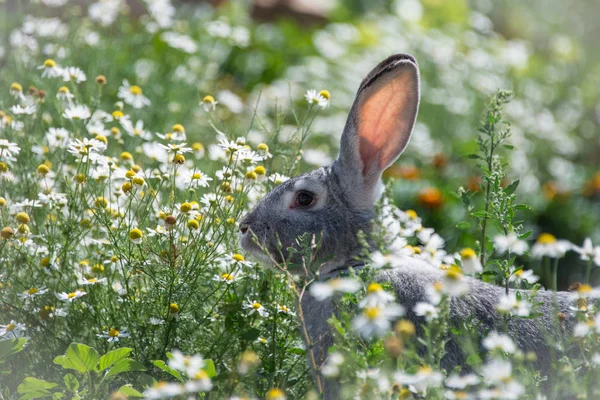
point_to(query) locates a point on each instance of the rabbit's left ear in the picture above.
(379, 125)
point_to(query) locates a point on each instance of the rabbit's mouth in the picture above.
(258, 247)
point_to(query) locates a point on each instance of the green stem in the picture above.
(588, 272)
(555, 274)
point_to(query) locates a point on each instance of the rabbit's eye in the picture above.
(303, 199)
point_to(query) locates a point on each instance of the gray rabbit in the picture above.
(337, 202)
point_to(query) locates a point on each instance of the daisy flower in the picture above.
(511, 305)
(256, 307)
(199, 179)
(376, 296)
(427, 310)
(227, 277)
(510, 242)
(64, 296)
(323, 290)
(31, 293)
(132, 95)
(90, 281)
(12, 330)
(470, 262)
(499, 341)
(77, 112)
(588, 251)
(522, 275)
(50, 69)
(113, 335)
(376, 320)
(74, 74)
(191, 365)
(26, 110)
(548, 246)
(8, 149)
(209, 103)
(319, 98)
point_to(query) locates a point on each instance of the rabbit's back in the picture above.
(478, 307)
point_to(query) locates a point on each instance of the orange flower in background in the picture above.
(408, 172)
(431, 197)
(552, 191)
(474, 183)
(440, 160)
(592, 187)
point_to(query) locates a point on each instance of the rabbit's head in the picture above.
(336, 202)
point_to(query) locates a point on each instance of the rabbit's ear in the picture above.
(379, 125)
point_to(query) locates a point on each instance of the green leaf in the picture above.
(475, 157)
(125, 365)
(251, 334)
(525, 235)
(296, 350)
(71, 382)
(510, 189)
(464, 225)
(10, 347)
(112, 357)
(474, 359)
(209, 368)
(79, 357)
(480, 214)
(129, 391)
(523, 207)
(173, 372)
(33, 388)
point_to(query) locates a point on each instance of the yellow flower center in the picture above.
(197, 175)
(453, 273)
(135, 90)
(174, 307)
(178, 128)
(412, 214)
(197, 146)
(22, 218)
(546, 238)
(425, 369)
(584, 289)
(126, 155)
(372, 312)
(263, 147)
(113, 332)
(117, 114)
(10, 327)
(71, 295)
(92, 280)
(468, 253)
(201, 375)
(32, 291)
(251, 175)
(208, 99)
(135, 234)
(260, 170)
(185, 207)
(274, 394)
(238, 257)
(227, 277)
(256, 305)
(16, 87)
(63, 90)
(49, 63)
(519, 272)
(374, 288)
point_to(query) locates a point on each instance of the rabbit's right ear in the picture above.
(378, 127)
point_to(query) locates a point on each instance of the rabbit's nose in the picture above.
(244, 228)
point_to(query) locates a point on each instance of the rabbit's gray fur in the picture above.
(345, 193)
